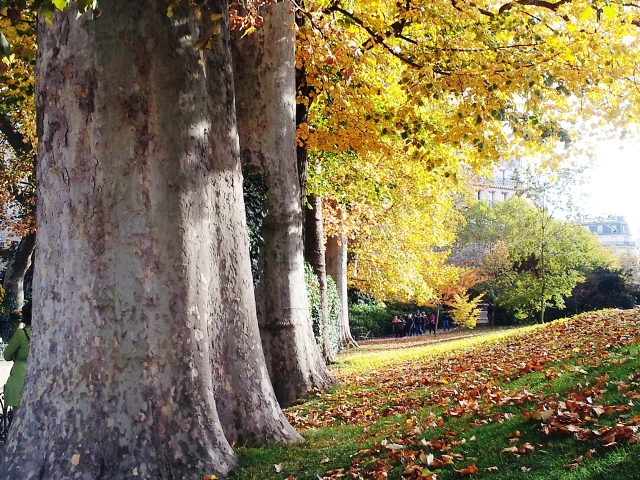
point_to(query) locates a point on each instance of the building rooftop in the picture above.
(613, 225)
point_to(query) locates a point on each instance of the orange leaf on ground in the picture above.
(470, 470)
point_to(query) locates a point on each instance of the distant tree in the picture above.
(507, 240)
(604, 287)
(630, 264)
(495, 266)
(550, 191)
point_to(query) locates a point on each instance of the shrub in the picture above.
(465, 311)
(370, 318)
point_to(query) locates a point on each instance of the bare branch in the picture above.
(15, 138)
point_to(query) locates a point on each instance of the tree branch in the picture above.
(15, 138)
(535, 3)
(376, 37)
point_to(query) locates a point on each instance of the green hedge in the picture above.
(367, 319)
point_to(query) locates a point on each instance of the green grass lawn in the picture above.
(557, 401)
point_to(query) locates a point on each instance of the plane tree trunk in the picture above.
(13, 283)
(315, 255)
(146, 358)
(336, 256)
(264, 74)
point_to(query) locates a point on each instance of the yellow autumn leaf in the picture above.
(588, 14)
(610, 12)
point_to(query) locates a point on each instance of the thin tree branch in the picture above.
(376, 37)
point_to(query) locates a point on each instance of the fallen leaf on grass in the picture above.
(544, 415)
(325, 460)
(278, 467)
(441, 461)
(417, 471)
(526, 448)
(337, 472)
(491, 469)
(394, 446)
(513, 449)
(426, 459)
(470, 470)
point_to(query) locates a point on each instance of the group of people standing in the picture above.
(416, 324)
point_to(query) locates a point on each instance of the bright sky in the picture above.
(613, 183)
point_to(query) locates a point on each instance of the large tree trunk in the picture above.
(142, 273)
(336, 255)
(13, 283)
(314, 253)
(264, 71)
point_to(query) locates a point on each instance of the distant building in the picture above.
(613, 233)
(501, 185)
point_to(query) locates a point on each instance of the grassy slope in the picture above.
(513, 402)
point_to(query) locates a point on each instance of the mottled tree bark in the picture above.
(13, 283)
(145, 353)
(336, 256)
(264, 71)
(315, 255)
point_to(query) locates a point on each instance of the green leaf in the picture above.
(60, 4)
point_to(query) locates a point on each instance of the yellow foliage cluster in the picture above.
(465, 311)
(17, 106)
(402, 94)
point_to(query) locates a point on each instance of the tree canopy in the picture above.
(504, 243)
(440, 88)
